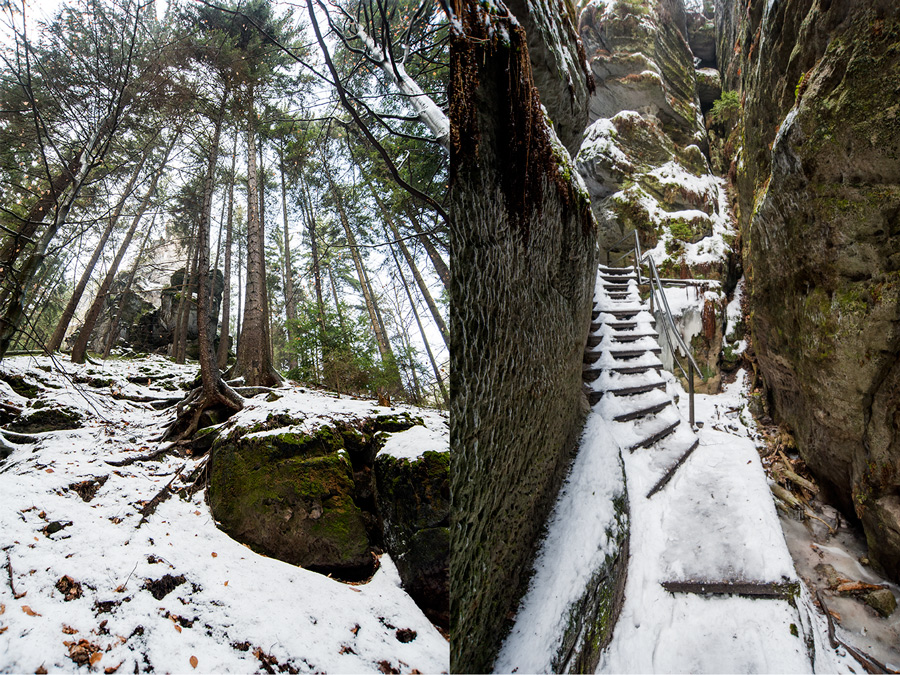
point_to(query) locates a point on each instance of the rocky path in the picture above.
(86, 583)
(710, 584)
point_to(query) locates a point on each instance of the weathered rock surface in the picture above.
(644, 157)
(557, 58)
(325, 500)
(819, 193)
(521, 289)
(290, 496)
(414, 502)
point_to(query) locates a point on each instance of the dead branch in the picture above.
(160, 497)
(10, 573)
(159, 452)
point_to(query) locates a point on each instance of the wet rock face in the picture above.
(414, 501)
(527, 242)
(821, 213)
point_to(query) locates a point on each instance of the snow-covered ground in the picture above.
(227, 608)
(715, 521)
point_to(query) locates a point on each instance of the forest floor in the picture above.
(715, 521)
(84, 583)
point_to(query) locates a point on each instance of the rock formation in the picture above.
(645, 156)
(818, 177)
(328, 501)
(523, 241)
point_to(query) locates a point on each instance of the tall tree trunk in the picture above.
(254, 356)
(215, 391)
(66, 318)
(123, 299)
(290, 307)
(17, 282)
(337, 305)
(440, 266)
(420, 282)
(222, 356)
(317, 272)
(15, 244)
(183, 295)
(384, 346)
(90, 320)
(242, 246)
(412, 304)
(183, 320)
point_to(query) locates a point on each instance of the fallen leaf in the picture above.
(40, 671)
(177, 627)
(194, 662)
(4, 629)
(226, 583)
(29, 611)
(112, 669)
(837, 617)
(214, 555)
(95, 657)
(2, 608)
(196, 513)
(68, 630)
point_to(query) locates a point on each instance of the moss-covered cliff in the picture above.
(818, 176)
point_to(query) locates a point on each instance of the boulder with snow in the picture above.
(414, 502)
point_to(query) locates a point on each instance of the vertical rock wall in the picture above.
(818, 175)
(524, 246)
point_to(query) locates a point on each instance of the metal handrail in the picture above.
(672, 333)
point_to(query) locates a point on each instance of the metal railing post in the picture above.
(691, 391)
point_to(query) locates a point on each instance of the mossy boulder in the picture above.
(21, 386)
(291, 496)
(54, 418)
(414, 501)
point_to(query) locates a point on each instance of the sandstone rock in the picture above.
(557, 59)
(818, 181)
(414, 501)
(882, 601)
(701, 36)
(290, 496)
(709, 86)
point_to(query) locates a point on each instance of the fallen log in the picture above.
(159, 498)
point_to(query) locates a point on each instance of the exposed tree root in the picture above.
(190, 410)
(160, 497)
(159, 452)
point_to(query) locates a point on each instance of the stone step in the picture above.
(657, 437)
(591, 357)
(638, 389)
(617, 280)
(594, 397)
(621, 313)
(643, 412)
(633, 353)
(621, 325)
(615, 270)
(590, 374)
(631, 337)
(630, 370)
(594, 340)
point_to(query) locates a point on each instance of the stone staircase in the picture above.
(623, 375)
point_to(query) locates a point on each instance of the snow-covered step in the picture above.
(637, 389)
(631, 337)
(624, 353)
(640, 368)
